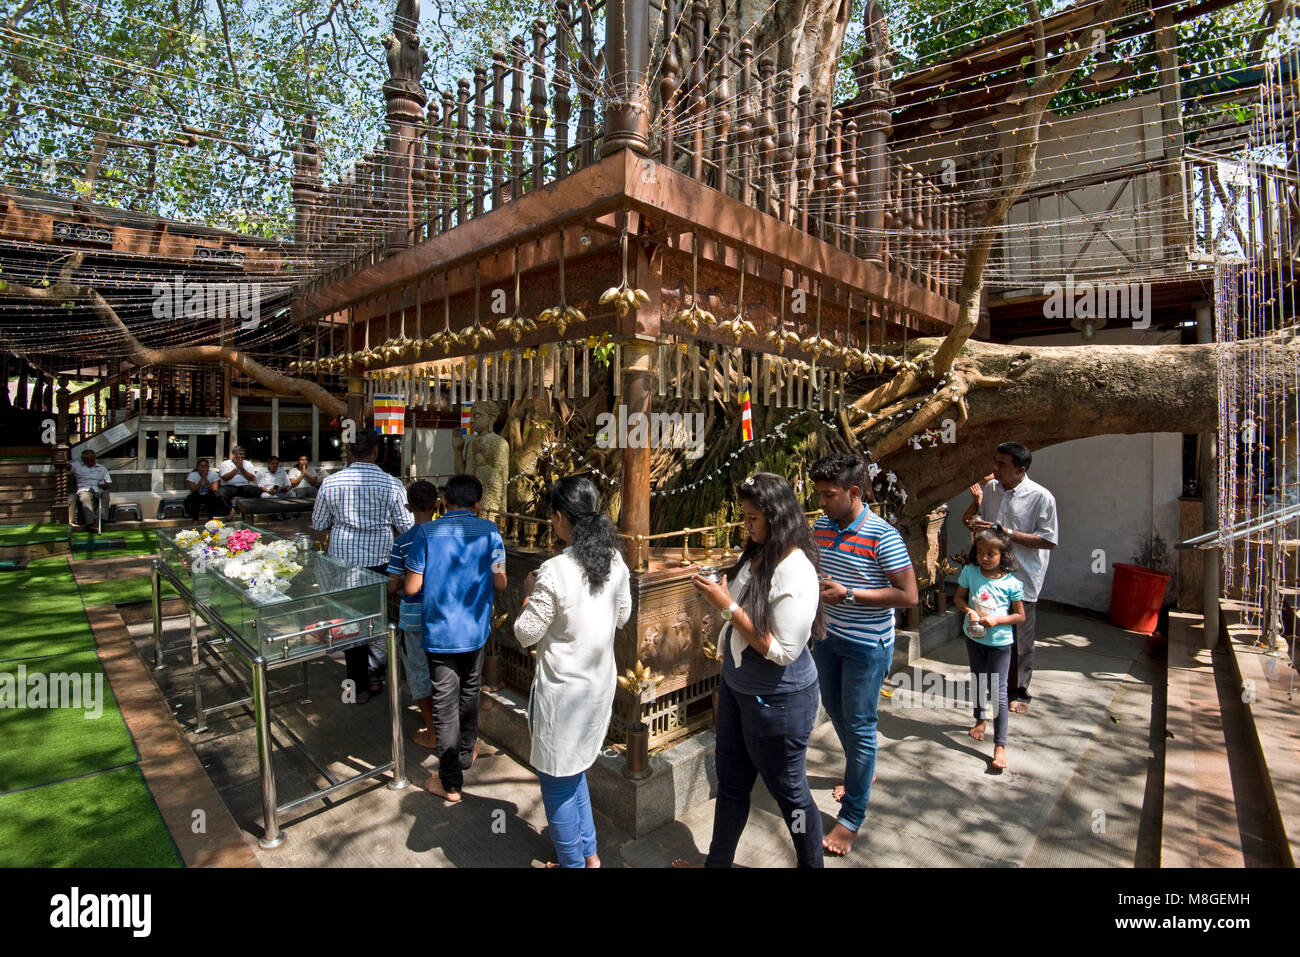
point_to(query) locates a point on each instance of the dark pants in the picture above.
(765, 736)
(194, 501)
(1022, 654)
(228, 494)
(988, 670)
(457, 678)
(366, 667)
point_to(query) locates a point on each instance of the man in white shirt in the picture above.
(304, 479)
(202, 483)
(237, 480)
(1017, 505)
(90, 485)
(273, 481)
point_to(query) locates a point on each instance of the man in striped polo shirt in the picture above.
(866, 574)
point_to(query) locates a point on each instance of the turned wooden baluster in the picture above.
(722, 106)
(669, 82)
(918, 226)
(767, 144)
(538, 100)
(803, 153)
(945, 249)
(448, 198)
(745, 134)
(932, 234)
(836, 177)
(462, 150)
(432, 172)
(517, 128)
(560, 84)
(851, 183)
(362, 196)
(787, 187)
(587, 81)
(479, 153)
(699, 102)
(818, 201)
(498, 127)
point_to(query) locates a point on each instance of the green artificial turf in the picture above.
(43, 744)
(122, 591)
(43, 612)
(135, 542)
(33, 533)
(104, 820)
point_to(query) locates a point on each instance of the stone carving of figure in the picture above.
(485, 455)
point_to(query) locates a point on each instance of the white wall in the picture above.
(1112, 491)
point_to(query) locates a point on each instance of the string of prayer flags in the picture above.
(465, 419)
(390, 414)
(746, 418)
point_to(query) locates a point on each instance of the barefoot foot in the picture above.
(426, 738)
(593, 861)
(434, 787)
(838, 792)
(839, 841)
(1019, 707)
(1000, 757)
(977, 730)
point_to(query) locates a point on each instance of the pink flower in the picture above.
(242, 540)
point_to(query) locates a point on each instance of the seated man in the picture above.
(202, 482)
(274, 482)
(90, 484)
(304, 479)
(237, 481)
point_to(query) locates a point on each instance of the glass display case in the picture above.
(284, 602)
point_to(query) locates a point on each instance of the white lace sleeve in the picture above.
(624, 603)
(534, 621)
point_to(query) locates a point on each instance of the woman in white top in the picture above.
(573, 604)
(767, 698)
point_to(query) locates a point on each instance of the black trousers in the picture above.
(364, 667)
(228, 494)
(456, 678)
(1022, 654)
(764, 737)
(194, 501)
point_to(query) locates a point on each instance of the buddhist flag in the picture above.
(746, 418)
(390, 414)
(465, 419)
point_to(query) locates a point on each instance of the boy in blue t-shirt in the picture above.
(422, 503)
(993, 600)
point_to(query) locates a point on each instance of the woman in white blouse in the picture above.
(573, 604)
(767, 698)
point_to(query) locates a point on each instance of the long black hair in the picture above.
(1002, 540)
(788, 529)
(594, 539)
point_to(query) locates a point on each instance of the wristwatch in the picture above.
(730, 610)
(848, 597)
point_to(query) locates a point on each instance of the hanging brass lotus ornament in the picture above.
(639, 680)
(477, 332)
(444, 339)
(563, 315)
(693, 316)
(623, 297)
(517, 323)
(738, 326)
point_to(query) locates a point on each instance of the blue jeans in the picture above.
(568, 812)
(987, 665)
(417, 664)
(764, 736)
(851, 676)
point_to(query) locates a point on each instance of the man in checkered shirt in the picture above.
(361, 505)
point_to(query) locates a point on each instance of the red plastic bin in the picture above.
(1136, 594)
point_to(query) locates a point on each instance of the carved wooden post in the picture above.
(479, 154)
(803, 154)
(306, 185)
(669, 81)
(587, 83)
(517, 128)
(627, 59)
(447, 200)
(767, 143)
(560, 83)
(404, 99)
(462, 150)
(835, 177)
(874, 124)
(538, 100)
(722, 107)
(819, 207)
(498, 127)
(638, 382)
(699, 103)
(432, 172)
(786, 185)
(745, 133)
(851, 183)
